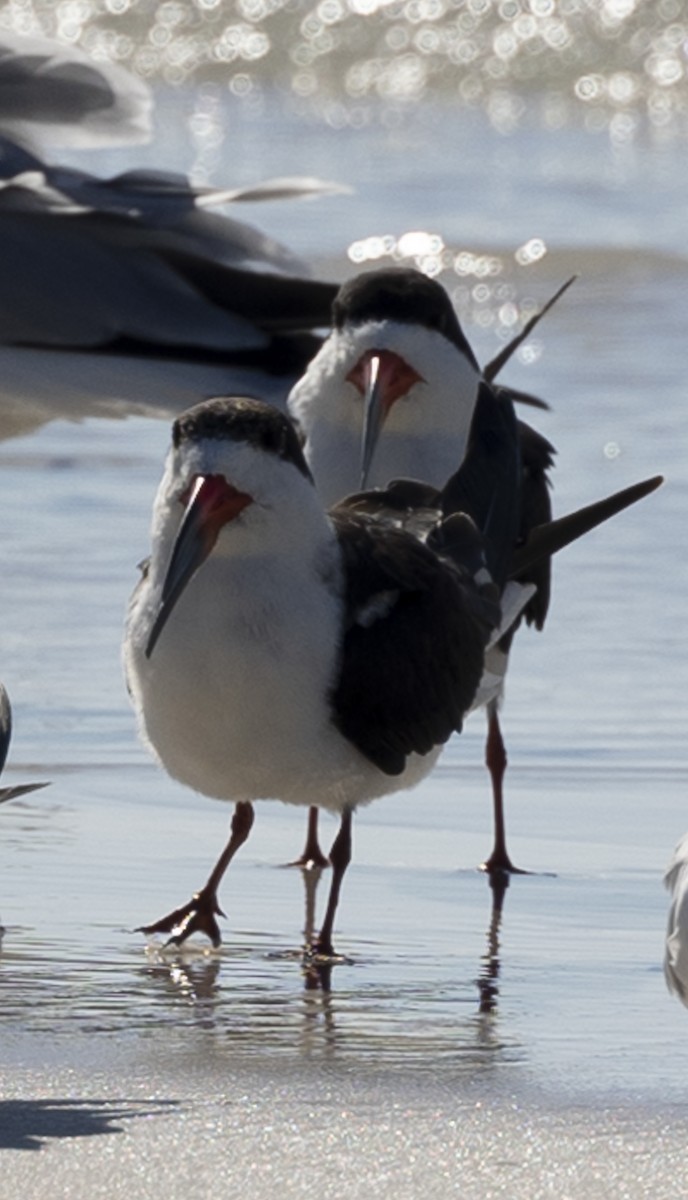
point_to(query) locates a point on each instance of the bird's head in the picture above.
(235, 484)
(396, 364)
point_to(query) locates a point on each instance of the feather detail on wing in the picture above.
(409, 676)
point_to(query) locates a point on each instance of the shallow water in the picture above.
(568, 991)
(562, 1002)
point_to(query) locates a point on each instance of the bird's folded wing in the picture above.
(413, 647)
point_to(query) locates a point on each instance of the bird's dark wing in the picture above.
(20, 789)
(5, 725)
(404, 504)
(133, 266)
(488, 483)
(516, 396)
(537, 457)
(492, 369)
(275, 302)
(398, 497)
(503, 485)
(545, 540)
(157, 298)
(412, 654)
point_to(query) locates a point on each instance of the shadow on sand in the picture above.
(29, 1124)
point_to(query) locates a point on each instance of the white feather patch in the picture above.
(379, 606)
(514, 599)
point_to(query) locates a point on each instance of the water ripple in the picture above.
(616, 65)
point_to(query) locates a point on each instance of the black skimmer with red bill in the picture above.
(391, 394)
(275, 651)
(20, 789)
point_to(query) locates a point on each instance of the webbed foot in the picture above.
(499, 863)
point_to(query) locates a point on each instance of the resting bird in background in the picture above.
(115, 288)
(273, 650)
(54, 91)
(391, 394)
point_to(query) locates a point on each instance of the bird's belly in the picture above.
(237, 705)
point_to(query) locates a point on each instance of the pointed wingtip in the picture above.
(20, 789)
(493, 368)
(546, 540)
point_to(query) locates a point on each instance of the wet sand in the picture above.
(212, 1129)
(459, 1052)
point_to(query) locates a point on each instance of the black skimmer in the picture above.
(397, 360)
(274, 651)
(112, 285)
(21, 789)
(137, 267)
(676, 944)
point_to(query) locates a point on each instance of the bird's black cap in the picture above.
(242, 419)
(400, 294)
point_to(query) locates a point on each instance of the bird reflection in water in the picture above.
(317, 973)
(487, 981)
(194, 979)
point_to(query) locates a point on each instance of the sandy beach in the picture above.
(122, 1127)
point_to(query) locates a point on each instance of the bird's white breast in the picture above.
(235, 699)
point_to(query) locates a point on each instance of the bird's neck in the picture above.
(336, 460)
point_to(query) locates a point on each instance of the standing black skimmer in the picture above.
(21, 789)
(274, 651)
(392, 393)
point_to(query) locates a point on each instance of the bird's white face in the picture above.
(256, 496)
(427, 393)
(221, 499)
